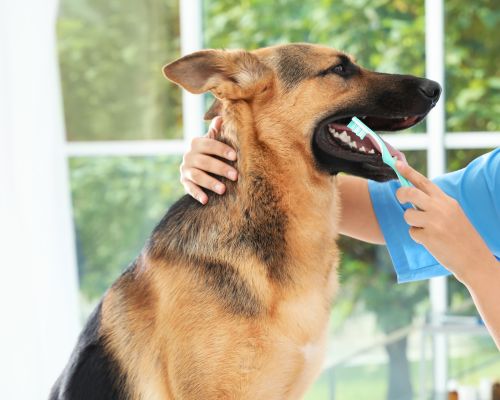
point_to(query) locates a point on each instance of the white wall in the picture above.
(38, 281)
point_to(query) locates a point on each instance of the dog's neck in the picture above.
(262, 150)
(293, 204)
(274, 213)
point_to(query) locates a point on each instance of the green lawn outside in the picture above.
(369, 382)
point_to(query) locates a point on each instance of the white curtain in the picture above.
(38, 281)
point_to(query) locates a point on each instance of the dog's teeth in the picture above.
(353, 145)
(371, 151)
(362, 148)
(345, 137)
(405, 118)
(334, 132)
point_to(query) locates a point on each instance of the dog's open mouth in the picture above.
(338, 149)
(349, 140)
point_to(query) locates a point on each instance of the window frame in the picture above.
(435, 142)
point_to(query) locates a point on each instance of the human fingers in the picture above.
(417, 234)
(202, 179)
(195, 191)
(211, 164)
(417, 179)
(414, 196)
(213, 147)
(416, 218)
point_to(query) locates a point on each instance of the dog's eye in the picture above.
(338, 69)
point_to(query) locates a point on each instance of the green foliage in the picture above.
(116, 203)
(111, 53)
(389, 36)
(382, 35)
(472, 74)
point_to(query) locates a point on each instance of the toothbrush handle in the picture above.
(403, 180)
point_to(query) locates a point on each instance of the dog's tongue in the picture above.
(394, 152)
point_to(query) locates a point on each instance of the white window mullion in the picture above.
(124, 148)
(436, 165)
(405, 142)
(191, 40)
(455, 140)
(472, 140)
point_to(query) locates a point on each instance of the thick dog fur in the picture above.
(231, 300)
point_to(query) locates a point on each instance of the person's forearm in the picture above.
(358, 219)
(484, 286)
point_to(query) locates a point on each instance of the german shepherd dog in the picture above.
(231, 300)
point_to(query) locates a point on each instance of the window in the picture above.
(126, 135)
(124, 128)
(111, 53)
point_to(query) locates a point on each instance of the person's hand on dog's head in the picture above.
(199, 160)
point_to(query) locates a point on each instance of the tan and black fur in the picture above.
(231, 300)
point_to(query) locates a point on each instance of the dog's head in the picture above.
(311, 92)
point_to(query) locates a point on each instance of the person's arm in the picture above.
(441, 226)
(484, 288)
(358, 218)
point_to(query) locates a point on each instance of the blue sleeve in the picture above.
(476, 188)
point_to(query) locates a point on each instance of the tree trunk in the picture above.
(400, 387)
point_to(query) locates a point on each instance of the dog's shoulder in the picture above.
(178, 229)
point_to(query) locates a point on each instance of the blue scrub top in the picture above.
(476, 188)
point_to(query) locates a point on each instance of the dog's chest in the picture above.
(295, 352)
(299, 337)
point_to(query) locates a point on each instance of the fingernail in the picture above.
(232, 175)
(231, 155)
(219, 188)
(202, 199)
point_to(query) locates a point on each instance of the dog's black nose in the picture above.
(431, 89)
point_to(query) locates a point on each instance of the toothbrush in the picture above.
(361, 130)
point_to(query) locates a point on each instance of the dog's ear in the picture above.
(229, 75)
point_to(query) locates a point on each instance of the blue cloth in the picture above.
(476, 188)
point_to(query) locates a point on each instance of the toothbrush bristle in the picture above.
(358, 130)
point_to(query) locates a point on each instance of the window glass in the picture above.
(370, 308)
(386, 36)
(473, 354)
(382, 35)
(117, 201)
(114, 90)
(111, 54)
(472, 79)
